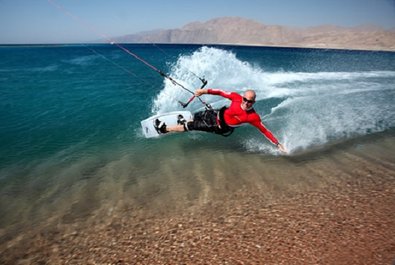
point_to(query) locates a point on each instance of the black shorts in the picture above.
(207, 121)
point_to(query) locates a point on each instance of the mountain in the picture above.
(236, 30)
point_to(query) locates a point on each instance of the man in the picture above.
(225, 120)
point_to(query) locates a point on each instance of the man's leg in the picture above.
(175, 128)
(163, 128)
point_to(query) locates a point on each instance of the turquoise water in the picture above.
(70, 115)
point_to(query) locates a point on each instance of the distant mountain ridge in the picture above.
(241, 31)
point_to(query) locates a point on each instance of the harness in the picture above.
(224, 129)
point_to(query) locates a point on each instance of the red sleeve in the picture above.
(258, 123)
(222, 93)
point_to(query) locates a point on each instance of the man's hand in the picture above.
(199, 92)
(282, 148)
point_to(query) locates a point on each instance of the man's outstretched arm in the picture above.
(269, 135)
(213, 91)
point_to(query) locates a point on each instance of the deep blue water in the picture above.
(67, 112)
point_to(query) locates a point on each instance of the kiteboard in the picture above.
(171, 118)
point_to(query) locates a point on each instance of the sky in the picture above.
(71, 21)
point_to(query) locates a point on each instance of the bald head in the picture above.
(250, 94)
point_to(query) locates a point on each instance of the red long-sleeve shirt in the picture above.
(235, 116)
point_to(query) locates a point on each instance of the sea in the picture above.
(71, 143)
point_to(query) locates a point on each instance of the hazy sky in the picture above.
(39, 21)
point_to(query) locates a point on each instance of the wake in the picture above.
(311, 109)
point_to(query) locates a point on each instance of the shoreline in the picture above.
(343, 48)
(335, 207)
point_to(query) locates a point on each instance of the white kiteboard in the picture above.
(170, 118)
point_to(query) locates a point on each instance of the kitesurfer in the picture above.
(225, 120)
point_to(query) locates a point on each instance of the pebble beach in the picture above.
(339, 210)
